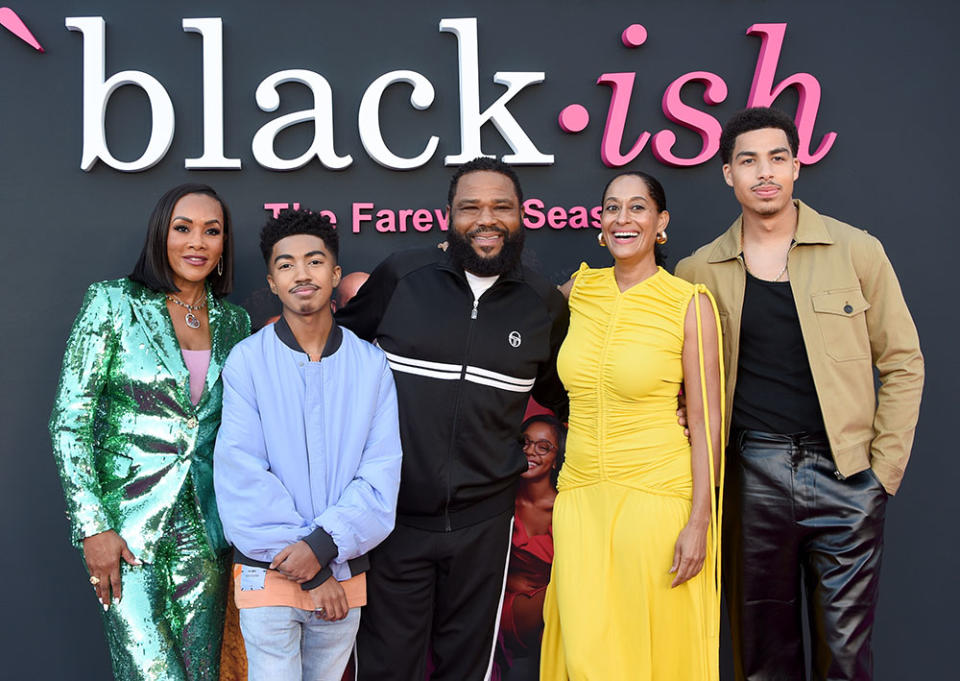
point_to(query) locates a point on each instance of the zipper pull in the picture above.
(473, 312)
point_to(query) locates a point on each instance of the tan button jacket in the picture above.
(853, 318)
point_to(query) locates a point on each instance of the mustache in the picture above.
(766, 184)
(487, 228)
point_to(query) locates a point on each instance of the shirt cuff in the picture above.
(322, 545)
(318, 579)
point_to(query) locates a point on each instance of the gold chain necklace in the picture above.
(743, 255)
(775, 279)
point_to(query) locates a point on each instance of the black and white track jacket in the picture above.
(463, 371)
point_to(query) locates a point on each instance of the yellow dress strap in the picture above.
(716, 500)
(572, 282)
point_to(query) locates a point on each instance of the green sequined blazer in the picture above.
(126, 436)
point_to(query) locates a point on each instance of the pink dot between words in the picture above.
(634, 35)
(574, 118)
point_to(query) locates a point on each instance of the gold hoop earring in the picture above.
(601, 240)
(662, 237)
(220, 267)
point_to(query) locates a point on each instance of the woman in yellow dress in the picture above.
(634, 592)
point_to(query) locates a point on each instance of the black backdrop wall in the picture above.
(886, 70)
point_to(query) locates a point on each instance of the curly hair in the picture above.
(559, 433)
(756, 118)
(300, 221)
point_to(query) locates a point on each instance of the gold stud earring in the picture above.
(662, 237)
(601, 240)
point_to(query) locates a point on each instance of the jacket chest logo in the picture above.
(514, 339)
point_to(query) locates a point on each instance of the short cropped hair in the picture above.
(484, 163)
(153, 267)
(756, 118)
(300, 221)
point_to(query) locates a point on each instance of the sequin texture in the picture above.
(129, 443)
(169, 623)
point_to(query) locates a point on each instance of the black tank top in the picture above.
(775, 391)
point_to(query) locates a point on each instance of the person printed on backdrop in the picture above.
(349, 286)
(133, 427)
(543, 438)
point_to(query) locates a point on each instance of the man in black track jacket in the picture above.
(469, 333)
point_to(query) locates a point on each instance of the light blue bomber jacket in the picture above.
(308, 450)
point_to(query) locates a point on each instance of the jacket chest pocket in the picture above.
(843, 325)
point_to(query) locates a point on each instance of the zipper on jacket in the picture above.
(456, 413)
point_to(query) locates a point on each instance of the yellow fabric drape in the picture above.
(626, 491)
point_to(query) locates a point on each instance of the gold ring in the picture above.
(94, 580)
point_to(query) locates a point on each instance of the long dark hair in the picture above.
(659, 197)
(153, 267)
(559, 434)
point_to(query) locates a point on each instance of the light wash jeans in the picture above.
(290, 644)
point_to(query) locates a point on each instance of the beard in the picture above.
(462, 253)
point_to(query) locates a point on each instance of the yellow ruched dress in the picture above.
(625, 492)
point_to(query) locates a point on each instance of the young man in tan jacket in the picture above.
(810, 307)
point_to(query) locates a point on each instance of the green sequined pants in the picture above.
(169, 625)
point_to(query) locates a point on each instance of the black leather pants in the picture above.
(791, 522)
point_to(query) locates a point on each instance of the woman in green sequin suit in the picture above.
(135, 450)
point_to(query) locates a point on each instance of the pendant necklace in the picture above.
(191, 319)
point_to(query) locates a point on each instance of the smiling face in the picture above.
(194, 239)
(303, 273)
(762, 171)
(485, 219)
(540, 448)
(631, 220)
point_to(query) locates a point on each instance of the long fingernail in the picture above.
(106, 606)
(116, 599)
(137, 561)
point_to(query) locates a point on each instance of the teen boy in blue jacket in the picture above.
(307, 463)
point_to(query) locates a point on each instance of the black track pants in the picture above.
(438, 588)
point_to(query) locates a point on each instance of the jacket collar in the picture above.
(219, 349)
(150, 308)
(285, 334)
(811, 229)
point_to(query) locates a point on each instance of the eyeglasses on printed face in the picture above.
(541, 447)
